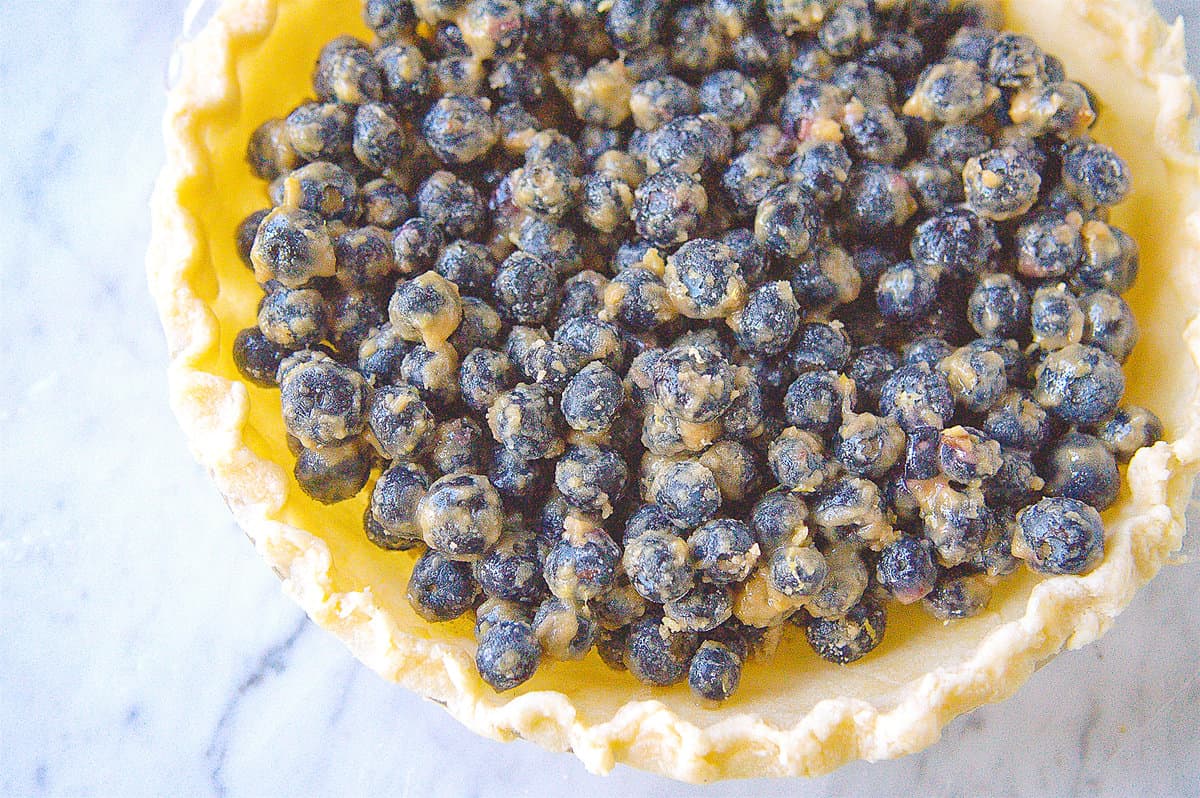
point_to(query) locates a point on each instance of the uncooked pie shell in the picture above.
(794, 713)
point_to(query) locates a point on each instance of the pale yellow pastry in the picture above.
(795, 714)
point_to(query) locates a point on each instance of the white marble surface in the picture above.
(145, 650)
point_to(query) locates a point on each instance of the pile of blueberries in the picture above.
(668, 326)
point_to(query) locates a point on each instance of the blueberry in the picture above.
(583, 564)
(957, 522)
(1094, 173)
(257, 357)
(1080, 384)
(334, 473)
(867, 84)
(703, 609)
(321, 131)
(723, 550)
(460, 516)
(508, 655)
(797, 570)
(873, 132)
(916, 395)
(1110, 258)
(748, 179)
(977, 377)
(451, 203)
(906, 291)
(821, 168)
(868, 445)
(749, 255)
(787, 221)
(393, 506)
(847, 28)
(524, 420)
(647, 518)
(967, 455)
(689, 145)
(870, 368)
(441, 589)
(735, 467)
(808, 104)
(401, 424)
(325, 189)
(825, 277)
(927, 349)
(1016, 483)
(1109, 323)
(798, 460)
(1059, 535)
(906, 569)
(877, 201)
(526, 289)
(432, 370)
(1055, 317)
(1080, 467)
(1049, 245)
(637, 298)
(416, 245)
(620, 606)
(591, 478)
(544, 188)
(322, 402)
(459, 129)
(1130, 428)
(934, 185)
(514, 478)
(958, 595)
(694, 383)
(778, 518)
(715, 671)
(292, 246)
(269, 151)
(954, 145)
(459, 444)
(564, 631)
(955, 240)
(814, 402)
(657, 655)
(511, 571)
(998, 306)
(687, 492)
(405, 72)
(592, 399)
(1016, 62)
(921, 460)
(1001, 184)
(844, 640)
(668, 207)
(731, 97)
(951, 92)
(819, 346)
(484, 375)
(427, 308)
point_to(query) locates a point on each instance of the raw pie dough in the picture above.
(794, 713)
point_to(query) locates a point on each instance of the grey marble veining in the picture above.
(144, 648)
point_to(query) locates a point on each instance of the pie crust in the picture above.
(794, 713)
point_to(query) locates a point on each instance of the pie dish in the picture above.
(795, 714)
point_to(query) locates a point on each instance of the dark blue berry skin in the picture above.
(323, 402)
(689, 145)
(977, 377)
(929, 349)
(955, 240)
(565, 630)
(870, 85)
(847, 29)
(966, 454)
(555, 244)
(906, 569)
(687, 492)
(844, 640)
(1015, 62)
(819, 346)
(648, 518)
(822, 169)
(327, 190)
(334, 473)
(1110, 259)
(921, 453)
(532, 432)
(1130, 428)
(729, 96)
(877, 201)
(657, 101)
(526, 289)
(550, 364)
(906, 291)
(874, 133)
(934, 185)
(797, 570)
(1109, 323)
(635, 24)
(515, 479)
(247, 230)
(321, 131)
(1016, 484)
(870, 367)
(592, 398)
(900, 54)
(257, 358)
(394, 505)
(294, 318)
(867, 445)
(401, 424)
(703, 609)
(1060, 535)
(749, 255)
(655, 654)
(748, 179)
(579, 568)
(406, 74)
(777, 517)
(917, 396)
(581, 296)
(668, 206)
(658, 561)
(416, 245)
(723, 550)
(591, 478)
(1009, 196)
(469, 266)
(1079, 384)
(958, 594)
(483, 375)
(459, 129)
(512, 572)
(441, 589)
(508, 655)
(677, 372)
(956, 144)
(1055, 318)
(1080, 467)
(1048, 246)
(641, 300)
(814, 402)
(715, 671)
(998, 306)
(1094, 173)
(787, 221)
(806, 101)
(769, 319)
(451, 203)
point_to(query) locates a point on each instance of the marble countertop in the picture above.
(144, 648)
